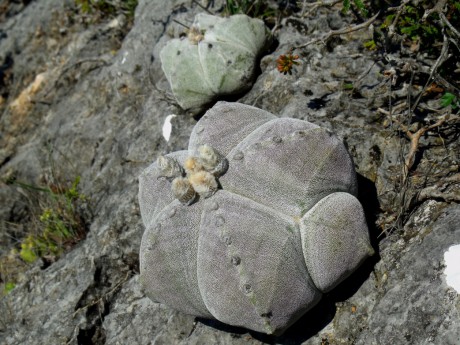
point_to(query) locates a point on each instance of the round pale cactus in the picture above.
(217, 57)
(253, 222)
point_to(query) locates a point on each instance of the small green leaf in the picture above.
(28, 255)
(409, 30)
(346, 6)
(370, 45)
(361, 7)
(8, 287)
(449, 99)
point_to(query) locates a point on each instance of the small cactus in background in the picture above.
(217, 57)
(270, 221)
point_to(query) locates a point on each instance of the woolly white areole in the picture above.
(452, 270)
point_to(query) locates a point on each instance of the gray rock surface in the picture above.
(98, 113)
(415, 293)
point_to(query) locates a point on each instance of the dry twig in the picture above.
(315, 5)
(437, 191)
(442, 57)
(399, 11)
(414, 138)
(339, 32)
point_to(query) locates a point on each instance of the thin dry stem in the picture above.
(414, 138)
(399, 10)
(442, 57)
(438, 8)
(437, 190)
(315, 5)
(339, 32)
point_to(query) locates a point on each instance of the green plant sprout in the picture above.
(254, 9)
(370, 45)
(449, 99)
(414, 23)
(107, 8)
(58, 223)
(359, 4)
(8, 287)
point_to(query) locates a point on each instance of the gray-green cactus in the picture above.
(282, 227)
(216, 58)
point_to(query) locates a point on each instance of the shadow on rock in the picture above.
(367, 195)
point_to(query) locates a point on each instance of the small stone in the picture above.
(235, 260)
(200, 129)
(277, 139)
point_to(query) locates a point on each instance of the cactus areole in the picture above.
(253, 222)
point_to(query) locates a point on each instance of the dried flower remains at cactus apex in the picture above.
(169, 168)
(212, 160)
(192, 165)
(195, 35)
(183, 191)
(198, 175)
(204, 183)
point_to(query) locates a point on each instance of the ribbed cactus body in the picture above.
(218, 57)
(284, 226)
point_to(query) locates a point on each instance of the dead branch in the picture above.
(414, 138)
(399, 11)
(442, 57)
(396, 109)
(437, 191)
(446, 21)
(203, 8)
(339, 32)
(315, 5)
(444, 83)
(438, 8)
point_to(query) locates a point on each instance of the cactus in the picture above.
(277, 227)
(217, 58)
